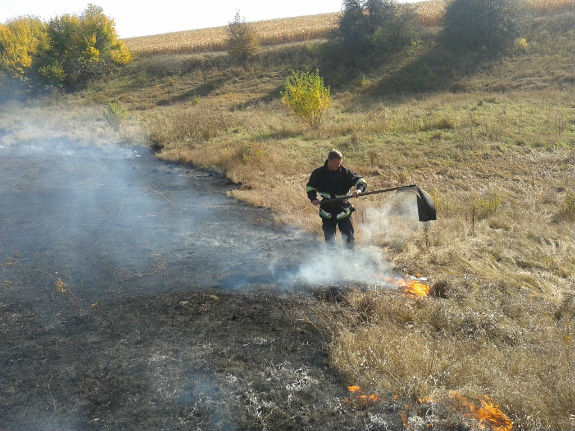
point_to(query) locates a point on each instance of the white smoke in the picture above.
(394, 221)
(328, 265)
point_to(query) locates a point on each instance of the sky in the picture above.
(143, 18)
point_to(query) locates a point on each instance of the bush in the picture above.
(86, 47)
(115, 115)
(242, 43)
(490, 25)
(20, 41)
(67, 51)
(52, 75)
(306, 96)
(370, 28)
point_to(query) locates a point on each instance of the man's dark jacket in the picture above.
(334, 184)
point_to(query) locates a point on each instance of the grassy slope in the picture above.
(495, 141)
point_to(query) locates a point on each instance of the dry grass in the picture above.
(430, 12)
(506, 274)
(547, 6)
(427, 348)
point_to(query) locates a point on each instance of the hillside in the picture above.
(490, 139)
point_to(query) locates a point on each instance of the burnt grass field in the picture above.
(135, 294)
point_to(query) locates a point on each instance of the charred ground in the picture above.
(201, 360)
(136, 295)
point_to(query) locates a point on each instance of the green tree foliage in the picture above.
(370, 29)
(242, 42)
(67, 51)
(490, 25)
(306, 96)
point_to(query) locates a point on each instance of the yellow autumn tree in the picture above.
(20, 41)
(85, 47)
(67, 51)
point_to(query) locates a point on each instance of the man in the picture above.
(332, 180)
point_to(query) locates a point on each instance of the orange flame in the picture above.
(487, 415)
(411, 288)
(414, 288)
(361, 398)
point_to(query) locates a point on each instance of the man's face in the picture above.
(333, 164)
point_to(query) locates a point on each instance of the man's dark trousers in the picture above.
(345, 227)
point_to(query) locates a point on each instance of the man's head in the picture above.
(334, 160)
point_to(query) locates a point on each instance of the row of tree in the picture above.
(68, 51)
(371, 29)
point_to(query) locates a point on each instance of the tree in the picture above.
(370, 28)
(481, 24)
(306, 96)
(67, 51)
(242, 42)
(85, 47)
(20, 41)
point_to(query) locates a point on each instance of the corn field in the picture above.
(288, 30)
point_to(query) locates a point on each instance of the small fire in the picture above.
(488, 415)
(360, 398)
(414, 288)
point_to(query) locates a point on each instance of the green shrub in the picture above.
(370, 28)
(484, 207)
(490, 25)
(52, 75)
(306, 96)
(115, 115)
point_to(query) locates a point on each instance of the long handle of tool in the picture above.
(374, 192)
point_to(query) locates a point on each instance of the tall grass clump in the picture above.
(185, 128)
(115, 114)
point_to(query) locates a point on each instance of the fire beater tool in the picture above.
(425, 205)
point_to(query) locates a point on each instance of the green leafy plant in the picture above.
(115, 114)
(306, 96)
(484, 207)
